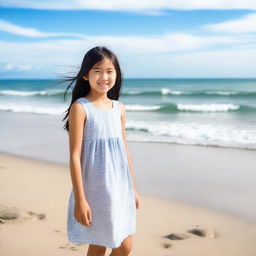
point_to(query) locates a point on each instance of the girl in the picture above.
(103, 201)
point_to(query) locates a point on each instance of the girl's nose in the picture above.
(104, 76)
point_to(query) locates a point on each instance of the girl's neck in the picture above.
(98, 98)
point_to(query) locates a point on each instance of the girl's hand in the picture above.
(82, 213)
(137, 201)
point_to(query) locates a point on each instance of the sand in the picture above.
(39, 190)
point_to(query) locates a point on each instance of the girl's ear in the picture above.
(85, 78)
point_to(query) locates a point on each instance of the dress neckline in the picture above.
(101, 110)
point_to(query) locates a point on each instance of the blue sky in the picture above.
(44, 39)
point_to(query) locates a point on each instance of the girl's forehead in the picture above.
(104, 63)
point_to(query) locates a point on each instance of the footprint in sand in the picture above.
(14, 214)
(70, 247)
(166, 245)
(194, 231)
(202, 232)
(40, 216)
(60, 233)
(177, 236)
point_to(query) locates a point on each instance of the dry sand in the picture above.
(40, 191)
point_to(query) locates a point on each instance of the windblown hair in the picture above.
(82, 87)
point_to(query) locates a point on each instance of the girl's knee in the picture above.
(96, 250)
(126, 249)
(126, 246)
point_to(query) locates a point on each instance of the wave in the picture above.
(194, 134)
(56, 92)
(169, 108)
(152, 93)
(207, 107)
(34, 109)
(167, 91)
(166, 131)
(179, 107)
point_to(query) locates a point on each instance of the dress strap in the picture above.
(88, 105)
(118, 105)
(84, 102)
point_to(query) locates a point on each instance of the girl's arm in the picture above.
(77, 116)
(123, 120)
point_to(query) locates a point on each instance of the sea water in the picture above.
(210, 112)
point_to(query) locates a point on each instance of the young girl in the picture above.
(103, 201)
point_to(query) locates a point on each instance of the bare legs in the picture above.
(124, 249)
(96, 250)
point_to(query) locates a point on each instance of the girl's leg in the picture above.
(96, 250)
(124, 249)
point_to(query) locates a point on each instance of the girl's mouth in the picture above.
(103, 85)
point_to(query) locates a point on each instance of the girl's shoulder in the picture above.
(82, 100)
(119, 103)
(121, 106)
(80, 103)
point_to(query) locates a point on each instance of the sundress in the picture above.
(106, 180)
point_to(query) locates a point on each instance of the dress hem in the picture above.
(101, 244)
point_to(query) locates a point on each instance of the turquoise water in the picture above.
(216, 112)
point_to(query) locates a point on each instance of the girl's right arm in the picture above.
(77, 117)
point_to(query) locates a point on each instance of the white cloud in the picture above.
(159, 55)
(163, 55)
(30, 32)
(131, 5)
(12, 67)
(135, 44)
(246, 24)
(61, 51)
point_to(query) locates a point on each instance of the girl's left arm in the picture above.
(123, 120)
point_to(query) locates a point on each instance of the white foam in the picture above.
(165, 91)
(208, 107)
(195, 133)
(29, 93)
(33, 108)
(141, 107)
(133, 92)
(222, 93)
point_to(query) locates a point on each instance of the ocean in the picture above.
(209, 112)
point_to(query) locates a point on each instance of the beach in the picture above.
(39, 191)
(195, 198)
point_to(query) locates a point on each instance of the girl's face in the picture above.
(102, 76)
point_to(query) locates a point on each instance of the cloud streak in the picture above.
(246, 24)
(148, 7)
(31, 32)
(168, 54)
(11, 67)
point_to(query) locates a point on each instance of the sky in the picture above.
(152, 39)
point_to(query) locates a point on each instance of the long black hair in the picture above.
(82, 87)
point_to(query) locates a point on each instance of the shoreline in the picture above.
(39, 128)
(225, 175)
(43, 189)
(132, 141)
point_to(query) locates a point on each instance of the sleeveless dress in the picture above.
(106, 181)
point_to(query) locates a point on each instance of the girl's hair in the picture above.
(82, 87)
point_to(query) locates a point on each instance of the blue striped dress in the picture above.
(106, 180)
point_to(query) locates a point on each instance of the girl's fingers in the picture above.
(89, 214)
(79, 220)
(86, 218)
(86, 222)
